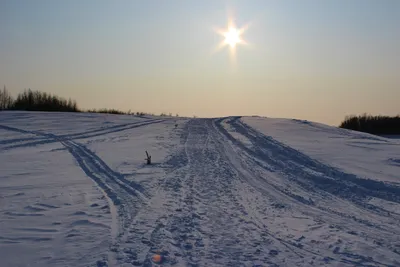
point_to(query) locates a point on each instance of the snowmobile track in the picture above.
(232, 196)
(125, 197)
(47, 138)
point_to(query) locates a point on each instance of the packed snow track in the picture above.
(219, 193)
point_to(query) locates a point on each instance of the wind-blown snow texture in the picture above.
(75, 191)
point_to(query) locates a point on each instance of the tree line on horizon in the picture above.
(36, 101)
(378, 125)
(29, 100)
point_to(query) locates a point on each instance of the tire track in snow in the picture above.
(125, 197)
(312, 176)
(164, 224)
(318, 178)
(53, 138)
(271, 244)
(184, 223)
(196, 218)
(287, 163)
(325, 178)
(130, 187)
(236, 236)
(209, 226)
(147, 233)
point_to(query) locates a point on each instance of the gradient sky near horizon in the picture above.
(314, 60)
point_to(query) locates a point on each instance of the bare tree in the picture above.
(6, 100)
(2, 98)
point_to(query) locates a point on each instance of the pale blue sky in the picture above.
(316, 60)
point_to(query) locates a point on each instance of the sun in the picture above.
(232, 37)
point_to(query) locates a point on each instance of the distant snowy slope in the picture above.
(360, 153)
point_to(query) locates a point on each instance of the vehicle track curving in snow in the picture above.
(47, 138)
(224, 204)
(202, 222)
(332, 199)
(125, 197)
(232, 196)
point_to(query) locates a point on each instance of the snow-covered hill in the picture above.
(75, 191)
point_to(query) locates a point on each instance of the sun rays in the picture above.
(232, 38)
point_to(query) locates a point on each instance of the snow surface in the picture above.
(75, 191)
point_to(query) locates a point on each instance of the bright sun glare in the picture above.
(232, 37)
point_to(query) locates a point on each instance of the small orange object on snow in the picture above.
(157, 258)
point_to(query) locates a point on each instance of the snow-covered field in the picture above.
(75, 191)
